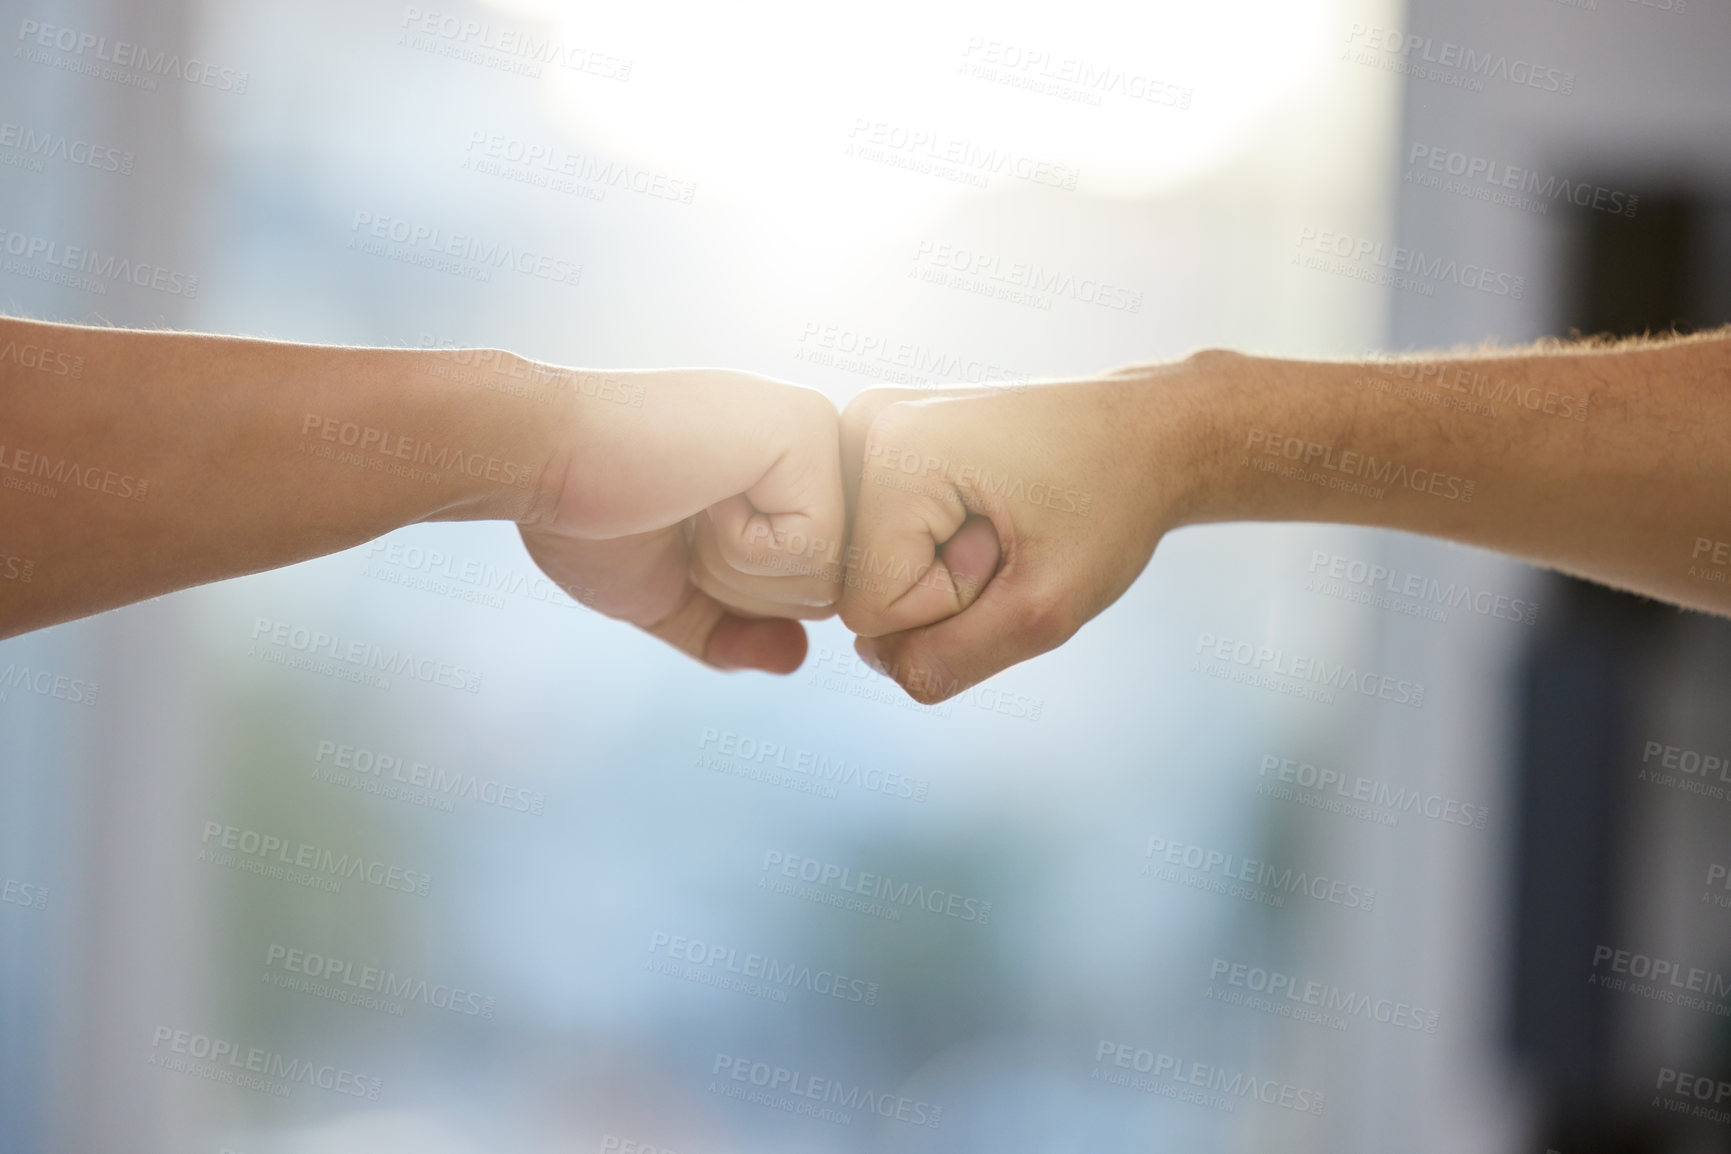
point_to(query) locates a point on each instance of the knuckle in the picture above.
(864, 611)
(925, 678)
(1047, 619)
(871, 406)
(730, 548)
(924, 693)
(742, 382)
(859, 617)
(811, 406)
(892, 431)
(728, 559)
(860, 411)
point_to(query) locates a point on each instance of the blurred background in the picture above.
(621, 908)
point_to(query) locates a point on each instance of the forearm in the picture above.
(174, 459)
(1613, 464)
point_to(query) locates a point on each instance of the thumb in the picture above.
(1004, 625)
(971, 556)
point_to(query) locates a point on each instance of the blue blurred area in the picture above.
(646, 894)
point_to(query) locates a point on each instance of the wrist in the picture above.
(500, 423)
(1185, 432)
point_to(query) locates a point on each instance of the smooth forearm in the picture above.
(1612, 464)
(171, 459)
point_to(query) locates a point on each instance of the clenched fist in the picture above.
(989, 525)
(675, 515)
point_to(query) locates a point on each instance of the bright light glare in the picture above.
(761, 102)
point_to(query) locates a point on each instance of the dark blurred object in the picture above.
(1664, 270)
(1608, 671)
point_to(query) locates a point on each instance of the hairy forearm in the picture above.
(137, 463)
(1612, 463)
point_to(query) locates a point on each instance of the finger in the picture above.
(776, 547)
(856, 423)
(640, 578)
(701, 436)
(905, 514)
(963, 566)
(715, 635)
(807, 483)
(772, 644)
(709, 572)
(972, 557)
(858, 418)
(1002, 627)
(768, 560)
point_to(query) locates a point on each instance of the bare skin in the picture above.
(137, 463)
(707, 506)
(1020, 515)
